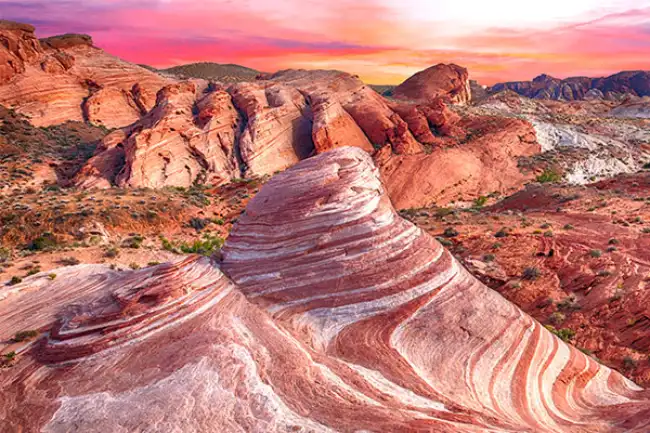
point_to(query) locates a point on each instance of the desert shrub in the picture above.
(568, 227)
(445, 242)
(5, 255)
(549, 176)
(24, 336)
(206, 246)
(443, 212)
(496, 245)
(15, 280)
(69, 261)
(134, 242)
(52, 276)
(111, 253)
(46, 241)
(629, 363)
(450, 232)
(557, 318)
(481, 201)
(548, 234)
(595, 253)
(565, 334)
(199, 224)
(33, 271)
(501, 233)
(613, 241)
(489, 257)
(134, 266)
(153, 263)
(569, 303)
(531, 273)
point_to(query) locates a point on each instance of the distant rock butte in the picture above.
(209, 133)
(449, 82)
(330, 313)
(615, 87)
(65, 78)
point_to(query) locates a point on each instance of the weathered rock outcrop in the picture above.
(614, 87)
(291, 115)
(334, 314)
(66, 78)
(188, 137)
(449, 82)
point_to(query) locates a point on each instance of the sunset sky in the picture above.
(383, 41)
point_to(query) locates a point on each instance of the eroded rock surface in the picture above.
(294, 114)
(449, 82)
(337, 315)
(66, 78)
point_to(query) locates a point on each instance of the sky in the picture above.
(382, 41)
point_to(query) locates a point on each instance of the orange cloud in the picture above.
(366, 37)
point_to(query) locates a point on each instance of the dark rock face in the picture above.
(614, 87)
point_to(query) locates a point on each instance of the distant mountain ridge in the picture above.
(613, 87)
(210, 71)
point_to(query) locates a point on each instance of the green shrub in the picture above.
(568, 227)
(481, 201)
(24, 336)
(489, 258)
(501, 233)
(443, 212)
(111, 253)
(15, 280)
(549, 176)
(595, 253)
(134, 266)
(134, 242)
(566, 334)
(206, 246)
(33, 271)
(69, 261)
(46, 241)
(531, 273)
(629, 363)
(199, 224)
(569, 303)
(557, 318)
(450, 232)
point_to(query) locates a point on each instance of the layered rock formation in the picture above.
(188, 137)
(614, 87)
(271, 124)
(337, 316)
(66, 78)
(450, 82)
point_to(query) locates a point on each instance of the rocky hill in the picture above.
(228, 73)
(450, 82)
(615, 87)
